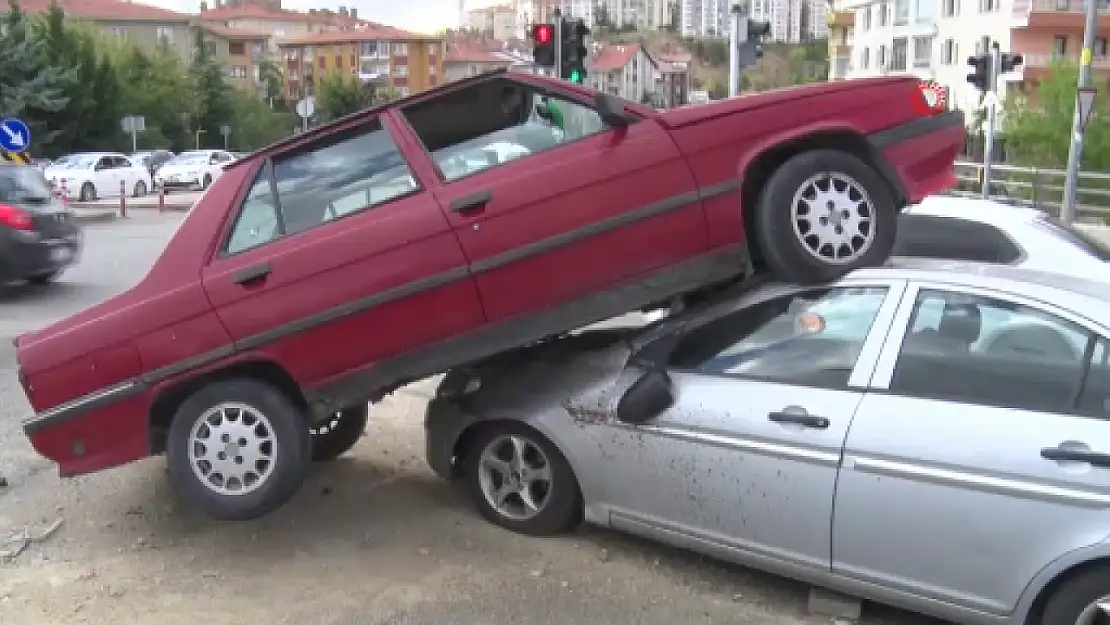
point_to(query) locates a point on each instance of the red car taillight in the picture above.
(14, 218)
(934, 97)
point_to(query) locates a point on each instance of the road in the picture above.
(374, 538)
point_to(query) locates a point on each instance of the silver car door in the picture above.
(964, 471)
(747, 457)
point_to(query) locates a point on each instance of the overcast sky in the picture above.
(418, 15)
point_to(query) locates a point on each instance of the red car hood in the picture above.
(692, 114)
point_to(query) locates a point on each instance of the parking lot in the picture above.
(372, 538)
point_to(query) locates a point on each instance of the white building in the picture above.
(625, 70)
(499, 21)
(704, 18)
(792, 21)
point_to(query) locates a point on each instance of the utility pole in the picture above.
(995, 53)
(1075, 152)
(558, 71)
(736, 35)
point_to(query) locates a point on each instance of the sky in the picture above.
(416, 15)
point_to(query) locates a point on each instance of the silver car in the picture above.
(929, 434)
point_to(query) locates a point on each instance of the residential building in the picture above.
(263, 16)
(499, 22)
(704, 18)
(472, 56)
(240, 50)
(387, 57)
(140, 23)
(626, 70)
(538, 11)
(792, 21)
(841, 25)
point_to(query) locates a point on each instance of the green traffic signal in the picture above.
(575, 76)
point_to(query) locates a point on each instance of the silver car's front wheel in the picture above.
(519, 480)
(1097, 613)
(1080, 599)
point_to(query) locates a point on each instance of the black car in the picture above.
(38, 236)
(153, 159)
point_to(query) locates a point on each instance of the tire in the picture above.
(43, 278)
(337, 435)
(788, 257)
(205, 182)
(561, 509)
(140, 189)
(289, 442)
(1070, 599)
(87, 192)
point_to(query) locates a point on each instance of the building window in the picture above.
(257, 49)
(238, 72)
(883, 10)
(988, 6)
(165, 34)
(431, 70)
(866, 18)
(401, 49)
(950, 8)
(882, 60)
(400, 70)
(433, 48)
(922, 51)
(1100, 46)
(926, 11)
(901, 12)
(306, 53)
(899, 51)
(236, 48)
(322, 62)
(949, 52)
(368, 48)
(209, 48)
(865, 58)
(1059, 45)
(402, 92)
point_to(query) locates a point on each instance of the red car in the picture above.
(327, 270)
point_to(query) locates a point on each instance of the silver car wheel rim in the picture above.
(833, 218)
(1098, 613)
(232, 449)
(515, 477)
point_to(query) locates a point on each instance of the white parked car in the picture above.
(94, 175)
(195, 169)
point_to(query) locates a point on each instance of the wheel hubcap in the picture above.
(1098, 613)
(515, 477)
(232, 449)
(833, 218)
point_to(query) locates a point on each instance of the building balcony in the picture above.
(842, 19)
(1057, 14)
(1039, 66)
(839, 50)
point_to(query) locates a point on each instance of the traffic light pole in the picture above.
(992, 115)
(1075, 152)
(737, 33)
(558, 71)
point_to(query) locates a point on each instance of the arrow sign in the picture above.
(15, 136)
(1085, 100)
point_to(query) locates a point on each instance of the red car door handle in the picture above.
(253, 273)
(471, 202)
(1076, 455)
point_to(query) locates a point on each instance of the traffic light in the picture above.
(543, 50)
(1010, 62)
(572, 66)
(980, 75)
(758, 30)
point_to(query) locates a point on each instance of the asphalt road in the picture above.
(374, 538)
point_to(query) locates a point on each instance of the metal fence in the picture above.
(1042, 188)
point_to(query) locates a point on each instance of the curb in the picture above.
(97, 217)
(169, 208)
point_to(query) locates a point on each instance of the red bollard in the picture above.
(122, 198)
(162, 199)
(65, 193)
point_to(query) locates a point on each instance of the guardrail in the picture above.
(1041, 188)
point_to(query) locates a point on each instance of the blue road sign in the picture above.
(15, 136)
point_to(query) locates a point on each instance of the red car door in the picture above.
(545, 227)
(356, 265)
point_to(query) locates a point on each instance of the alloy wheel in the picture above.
(515, 477)
(833, 218)
(232, 449)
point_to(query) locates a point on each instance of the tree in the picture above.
(31, 87)
(341, 94)
(273, 91)
(1037, 125)
(213, 97)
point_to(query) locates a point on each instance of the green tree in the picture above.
(341, 94)
(30, 87)
(255, 124)
(273, 91)
(156, 86)
(212, 96)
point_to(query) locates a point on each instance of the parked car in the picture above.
(90, 176)
(327, 270)
(954, 416)
(152, 159)
(987, 231)
(38, 236)
(195, 169)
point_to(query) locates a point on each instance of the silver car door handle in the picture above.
(807, 420)
(1095, 458)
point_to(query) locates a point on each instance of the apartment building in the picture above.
(499, 21)
(262, 16)
(240, 50)
(792, 21)
(932, 39)
(704, 18)
(390, 58)
(140, 23)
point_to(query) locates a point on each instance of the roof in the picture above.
(234, 33)
(372, 32)
(497, 8)
(118, 10)
(464, 51)
(614, 57)
(252, 11)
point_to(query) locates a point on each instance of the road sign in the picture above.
(1085, 100)
(15, 136)
(133, 123)
(225, 130)
(15, 158)
(306, 107)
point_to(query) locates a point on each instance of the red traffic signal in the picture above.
(542, 33)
